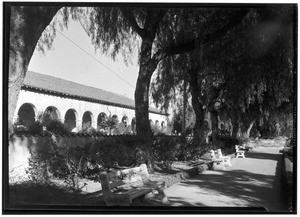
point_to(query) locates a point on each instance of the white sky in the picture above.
(65, 60)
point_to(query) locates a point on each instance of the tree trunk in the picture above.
(235, 128)
(247, 134)
(198, 130)
(214, 125)
(26, 27)
(143, 128)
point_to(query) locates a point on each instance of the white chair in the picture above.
(239, 153)
(226, 158)
(218, 160)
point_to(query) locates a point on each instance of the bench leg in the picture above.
(223, 165)
(229, 163)
(210, 165)
(162, 196)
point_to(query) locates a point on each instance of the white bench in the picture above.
(217, 157)
(121, 187)
(239, 153)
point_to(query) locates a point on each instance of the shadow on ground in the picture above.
(38, 194)
(261, 155)
(249, 188)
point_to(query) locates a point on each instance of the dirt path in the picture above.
(250, 182)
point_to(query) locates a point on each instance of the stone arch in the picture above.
(125, 120)
(157, 123)
(115, 118)
(27, 114)
(87, 119)
(71, 117)
(52, 113)
(150, 122)
(101, 118)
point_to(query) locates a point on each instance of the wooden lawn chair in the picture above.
(239, 153)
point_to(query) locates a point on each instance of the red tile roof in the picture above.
(54, 85)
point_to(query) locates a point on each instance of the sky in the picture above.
(68, 61)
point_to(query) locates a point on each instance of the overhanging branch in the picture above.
(129, 15)
(184, 47)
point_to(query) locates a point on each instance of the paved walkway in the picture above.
(251, 182)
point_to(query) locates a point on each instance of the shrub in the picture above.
(35, 128)
(89, 130)
(48, 160)
(227, 143)
(111, 154)
(56, 127)
(39, 162)
(190, 151)
(165, 150)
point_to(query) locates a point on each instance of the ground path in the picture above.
(254, 181)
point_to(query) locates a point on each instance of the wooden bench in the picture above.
(121, 187)
(238, 152)
(218, 158)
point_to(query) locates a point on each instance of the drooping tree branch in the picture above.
(210, 37)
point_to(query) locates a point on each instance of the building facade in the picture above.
(74, 104)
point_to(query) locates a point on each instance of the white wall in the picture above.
(63, 104)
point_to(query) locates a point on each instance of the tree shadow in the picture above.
(165, 170)
(256, 189)
(28, 194)
(260, 155)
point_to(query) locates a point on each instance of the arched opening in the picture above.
(151, 123)
(102, 117)
(70, 119)
(163, 128)
(115, 119)
(51, 113)
(125, 120)
(26, 114)
(156, 123)
(86, 120)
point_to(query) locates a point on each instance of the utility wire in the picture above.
(94, 58)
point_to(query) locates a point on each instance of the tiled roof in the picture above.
(56, 85)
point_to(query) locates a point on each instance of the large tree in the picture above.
(162, 32)
(258, 62)
(247, 71)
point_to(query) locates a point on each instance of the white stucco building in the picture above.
(72, 103)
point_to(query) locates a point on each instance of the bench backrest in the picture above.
(220, 153)
(114, 179)
(216, 154)
(213, 154)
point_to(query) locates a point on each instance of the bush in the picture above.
(190, 151)
(39, 162)
(165, 150)
(35, 128)
(56, 127)
(227, 143)
(89, 130)
(111, 154)
(48, 160)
